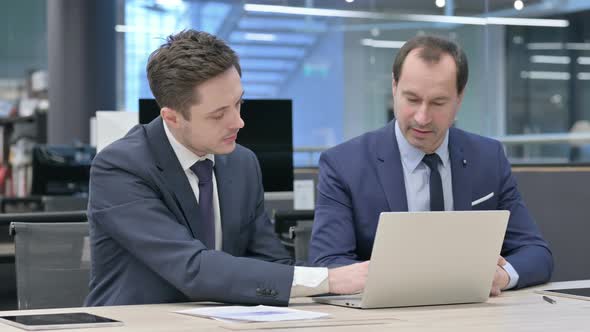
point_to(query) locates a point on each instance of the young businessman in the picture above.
(419, 162)
(176, 207)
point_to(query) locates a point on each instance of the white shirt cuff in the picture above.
(512, 274)
(309, 281)
(309, 276)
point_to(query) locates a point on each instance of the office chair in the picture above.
(294, 230)
(64, 203)
(52, 263)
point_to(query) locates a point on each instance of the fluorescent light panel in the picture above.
(559, 46)
(382, 43)
(289, 10)
(283, 38)
(551, 59)
(531, 22)
(545, 75)
(298, 24)
(268, 37)
(584, 60)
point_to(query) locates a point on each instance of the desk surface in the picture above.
(7, 249)
(520, 310)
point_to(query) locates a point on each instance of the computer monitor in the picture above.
(61, 169)
(268, 132)
(148, 110)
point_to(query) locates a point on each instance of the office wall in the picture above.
(23, 39)
(557, 197)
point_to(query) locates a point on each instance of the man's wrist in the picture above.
(512, 276)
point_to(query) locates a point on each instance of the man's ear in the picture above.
(170, 116)
(393, 85)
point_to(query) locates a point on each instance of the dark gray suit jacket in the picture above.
(143, 247)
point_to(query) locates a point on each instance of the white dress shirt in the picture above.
(306, 280)
(417, 177)
(187, 159)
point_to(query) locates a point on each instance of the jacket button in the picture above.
(258, 291)
(274, 292)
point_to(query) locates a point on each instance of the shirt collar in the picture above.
(185, 156)
(412, 156)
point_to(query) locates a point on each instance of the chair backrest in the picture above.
(64, 203)
(294, 231)
(301, 234)
(52, 264)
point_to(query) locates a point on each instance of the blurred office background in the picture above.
(529, 63)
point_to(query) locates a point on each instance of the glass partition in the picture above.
(334, 60)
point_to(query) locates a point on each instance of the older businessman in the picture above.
(419, 162)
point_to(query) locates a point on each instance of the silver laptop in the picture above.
(428, 258)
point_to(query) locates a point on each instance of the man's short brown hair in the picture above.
(186, 60)
(431, 50)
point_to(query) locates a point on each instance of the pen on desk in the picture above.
(549, 300)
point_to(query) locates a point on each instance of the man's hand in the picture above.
(501, 278)
(349, 279)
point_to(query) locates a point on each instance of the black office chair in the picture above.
(294, 230)
(64, 203)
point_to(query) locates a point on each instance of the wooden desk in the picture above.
(513, 311)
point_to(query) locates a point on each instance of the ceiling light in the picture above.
(584, 60)
(382, 43)
(260, 36)
(545, 75)
(518, 5)
(170, 3)
(531, 22)
(472, 20)
(559, 46)
(552, 59)
(440, 3)
(350, 1)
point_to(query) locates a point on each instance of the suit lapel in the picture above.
(227, 203)
(174, 176)
(460, 170)
(390, 171)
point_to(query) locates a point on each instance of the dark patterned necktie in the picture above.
(203, 169)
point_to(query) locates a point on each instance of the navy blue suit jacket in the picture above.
(144, 250)
(363, 177)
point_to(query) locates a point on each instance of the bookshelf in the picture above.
(17, 136)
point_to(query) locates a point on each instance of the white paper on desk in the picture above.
(259, 313)
(303, 193)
